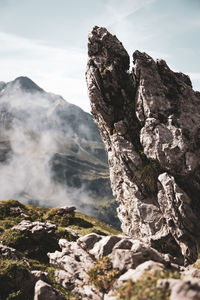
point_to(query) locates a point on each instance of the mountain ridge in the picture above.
(74, 159)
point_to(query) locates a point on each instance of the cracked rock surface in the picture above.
(149, 122)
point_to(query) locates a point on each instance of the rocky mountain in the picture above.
(149, 122)
(60, 254)
(54, 147)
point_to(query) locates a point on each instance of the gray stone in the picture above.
(104, 247)
(75, 234)
(110, 296)
(87, 241)
(35, 228)
(44, 291)
(186, 289)
(124, 259)
(65, 279)
(124, 244)
(73, 260)
(191, 272)
(136, 274)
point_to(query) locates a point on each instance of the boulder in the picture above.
(44, 291)
(87, 241)
(104, 246)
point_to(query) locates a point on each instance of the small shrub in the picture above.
(102, 275)
(197, 264)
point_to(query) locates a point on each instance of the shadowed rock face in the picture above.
(149, 120)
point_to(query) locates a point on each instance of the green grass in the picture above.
(85, 224)
(82, 223)
(37, 249)
(15, 280)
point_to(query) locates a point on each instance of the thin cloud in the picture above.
(118, 10)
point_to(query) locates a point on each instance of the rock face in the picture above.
(149, 122)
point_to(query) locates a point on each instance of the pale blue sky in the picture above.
(46, 40)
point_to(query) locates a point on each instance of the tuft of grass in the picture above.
(197, 264)
(35, 264)
(8, 217)
(102, 275)
(146, 287)
(10, 222)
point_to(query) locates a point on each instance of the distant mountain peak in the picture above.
(27, 84)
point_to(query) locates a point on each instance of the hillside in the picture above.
(29, 248)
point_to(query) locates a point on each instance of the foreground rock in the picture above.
(44, 291)
(130, 260)
(149, 122)
(77, 258)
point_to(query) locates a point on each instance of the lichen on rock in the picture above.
(149, 122)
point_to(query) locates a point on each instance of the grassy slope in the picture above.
(8, 268)
(82, 223)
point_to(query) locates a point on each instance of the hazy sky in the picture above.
(46, 40)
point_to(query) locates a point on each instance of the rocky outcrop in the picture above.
(131, 259)
(124, 254)
(149, 122)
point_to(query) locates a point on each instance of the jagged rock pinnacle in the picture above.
(149, 122)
